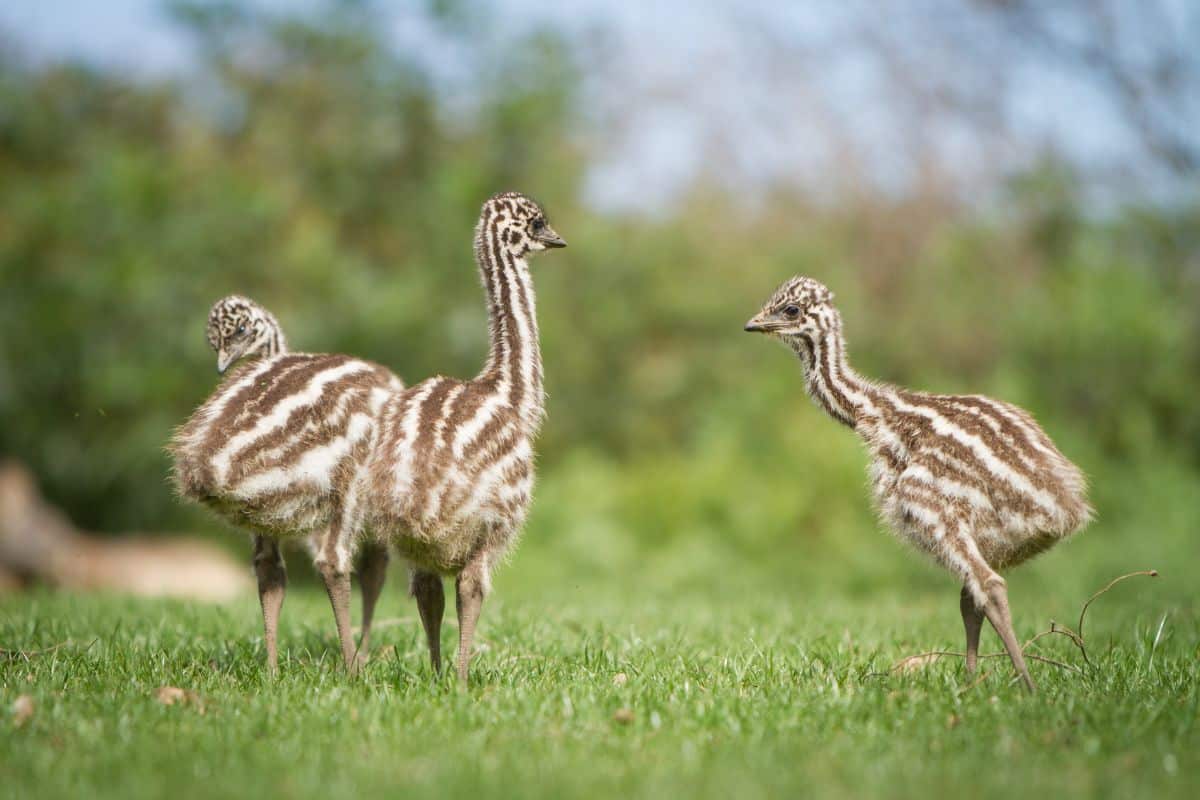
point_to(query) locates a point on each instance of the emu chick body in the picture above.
(972, 481)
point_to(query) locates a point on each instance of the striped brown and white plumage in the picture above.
(974, 482)
(238, 328)
(280, 449)
(332, 444)
(453, 471)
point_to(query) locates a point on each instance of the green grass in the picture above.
(733, 693)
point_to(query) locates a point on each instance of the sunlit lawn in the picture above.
(696, 694)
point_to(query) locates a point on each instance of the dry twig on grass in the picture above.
(920, 660)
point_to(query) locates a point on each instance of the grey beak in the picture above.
(550, 238)
(224, 359)
(753, 326)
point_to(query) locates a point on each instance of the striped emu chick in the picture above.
(239, 328)
(972, 481)
(280, 449)
(452, 476)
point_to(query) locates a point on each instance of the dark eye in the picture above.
(241, 329)
(791, 312)
(538, 224)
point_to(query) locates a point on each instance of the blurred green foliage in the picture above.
(327, 176)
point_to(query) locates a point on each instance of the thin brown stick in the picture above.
(982, 676)
(1061, 630)
(1039, 636)
(1055, 629)
(1075, 638)
(1045, 660)
(1153, 573)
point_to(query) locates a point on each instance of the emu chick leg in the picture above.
(371, 576)
(471, 588)
(271, 572)
(337, 585)
(998, 614)
(426, 587)
(973, 622)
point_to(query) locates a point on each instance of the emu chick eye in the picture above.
(791, 312)
(538, 224)
(241, 328)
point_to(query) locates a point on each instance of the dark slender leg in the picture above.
(426, 587)
(972, 621)
(272, 586)
(471, 587)
(998, 614)
(372, 573)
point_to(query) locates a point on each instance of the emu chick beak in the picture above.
(550, 238)
(754, 326)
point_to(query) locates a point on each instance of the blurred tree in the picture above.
(312, 166)
(324, 180)
(1143, 55)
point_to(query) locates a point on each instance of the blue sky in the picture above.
(696, 88)
(132, 34)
